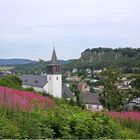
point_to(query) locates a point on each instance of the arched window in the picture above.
(56, 78)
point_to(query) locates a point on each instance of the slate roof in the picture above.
(34, 80)
(54, 58)
(89, 98)
(66, 92)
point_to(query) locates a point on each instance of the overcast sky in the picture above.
(28, 28)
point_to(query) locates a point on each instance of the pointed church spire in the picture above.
(54, 57)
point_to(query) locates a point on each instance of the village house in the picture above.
(74, 70)
(90, 101)
(83, 86)
(97, 71)
(3, 73)
(88, 70)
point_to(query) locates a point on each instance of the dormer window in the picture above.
(36, 81)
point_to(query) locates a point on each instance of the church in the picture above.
(50, 83)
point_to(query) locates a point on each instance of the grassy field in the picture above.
(6, 67)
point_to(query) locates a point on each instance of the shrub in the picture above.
(8, 129)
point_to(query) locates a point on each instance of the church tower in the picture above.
(54, 77)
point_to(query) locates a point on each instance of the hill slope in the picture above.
(101, 57)
(5, 62)
(37, 67)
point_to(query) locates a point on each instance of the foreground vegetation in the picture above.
(63, 121)
(27, 115)
(129, 121)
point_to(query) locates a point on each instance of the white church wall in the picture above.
(45, 88)
(55, 85)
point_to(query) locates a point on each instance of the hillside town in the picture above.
(69, 69)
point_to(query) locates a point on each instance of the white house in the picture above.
(74, 70)
(50, 83)
(91, 101)
(88, 70)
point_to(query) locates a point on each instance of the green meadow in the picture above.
(6, 67)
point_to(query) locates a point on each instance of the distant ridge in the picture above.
(104, 57)
(11, 62)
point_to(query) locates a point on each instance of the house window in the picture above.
(58, 69)
(49, 78)
(56, 78)
(36, 81)
(26, 81)
(97, 106)
(89, 106)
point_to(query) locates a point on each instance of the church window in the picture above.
(56, 69)
(36, 81)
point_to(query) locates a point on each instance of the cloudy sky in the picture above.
(28, 28)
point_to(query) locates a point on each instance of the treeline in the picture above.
(124, 51)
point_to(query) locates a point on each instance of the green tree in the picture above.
(11, 81)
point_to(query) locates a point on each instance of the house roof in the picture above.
(89, 98)
(34, 80)
(66, 92)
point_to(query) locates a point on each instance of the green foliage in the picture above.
(62, 121)
(113, 99)
(34, 68)
(76, 91)
(127, 133)
(30, 89)
(8, 129)
(11, 81)
(136, 83)
(98, 58)
(6, 67)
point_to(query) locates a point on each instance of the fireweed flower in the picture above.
(23, 100)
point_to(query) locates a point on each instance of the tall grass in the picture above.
(23, 100)
(127, 119)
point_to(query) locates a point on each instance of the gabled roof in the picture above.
(34, 80)
(66, 92)
(89, 98)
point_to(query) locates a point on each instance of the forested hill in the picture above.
(37, 67)
(101, 57)
(11, 62)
